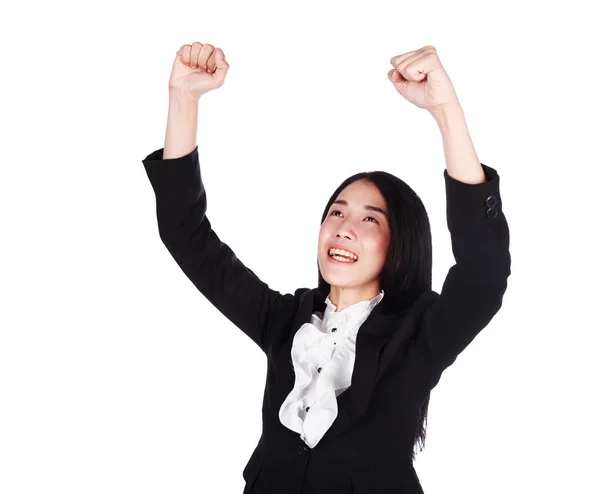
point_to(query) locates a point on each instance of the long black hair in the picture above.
(407, 270)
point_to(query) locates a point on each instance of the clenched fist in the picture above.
(197, 69)
(419, 76)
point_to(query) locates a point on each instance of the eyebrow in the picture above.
(371, 208)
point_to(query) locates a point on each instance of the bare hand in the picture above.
(420, 78)
(198, 68)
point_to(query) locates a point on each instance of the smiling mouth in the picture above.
(342, 259)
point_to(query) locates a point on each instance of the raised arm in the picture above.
(474, 287)
(181, 206)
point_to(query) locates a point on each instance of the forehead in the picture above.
(362, 192)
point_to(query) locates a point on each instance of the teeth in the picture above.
(343, 259)
(343, 253)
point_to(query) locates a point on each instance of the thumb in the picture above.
(396, 77)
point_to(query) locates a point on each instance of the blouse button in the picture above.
(307, 409)
(319, 369)
(334, 330)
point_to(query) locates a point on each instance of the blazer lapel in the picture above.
(378, 344)
(370, 340)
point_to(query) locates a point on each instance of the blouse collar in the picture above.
(358, 311)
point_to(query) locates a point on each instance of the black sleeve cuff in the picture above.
(469, 205)
(173, 178)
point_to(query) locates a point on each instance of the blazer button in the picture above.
(307, 409)
(492, 213)
(319, 370)
(491, 201)
(334, 330)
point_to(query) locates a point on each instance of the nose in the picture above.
(346, 230)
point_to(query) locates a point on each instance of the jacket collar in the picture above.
(353, 315)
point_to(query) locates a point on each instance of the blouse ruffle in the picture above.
(314, 347)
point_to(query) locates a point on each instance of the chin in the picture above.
(337, 279)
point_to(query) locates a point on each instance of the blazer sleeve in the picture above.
(209, 263)
(475, 285)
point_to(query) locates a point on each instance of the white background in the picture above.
(117, 375)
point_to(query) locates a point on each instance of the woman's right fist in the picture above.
(197, 69)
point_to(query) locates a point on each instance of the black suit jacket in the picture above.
(399, 356)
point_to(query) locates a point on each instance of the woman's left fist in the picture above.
(419, 77)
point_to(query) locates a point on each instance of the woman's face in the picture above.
(352, 223)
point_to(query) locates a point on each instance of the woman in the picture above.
(352, 362)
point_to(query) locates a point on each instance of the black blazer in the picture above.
(399, 356)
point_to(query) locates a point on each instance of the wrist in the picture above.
(447, 115)
(182, 98)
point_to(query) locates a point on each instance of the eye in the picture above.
(337, 211)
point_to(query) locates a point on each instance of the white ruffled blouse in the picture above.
(323, 354)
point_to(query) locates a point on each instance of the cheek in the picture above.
(325, 231)
(384, 246)
(323, 236)
(379, 247)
